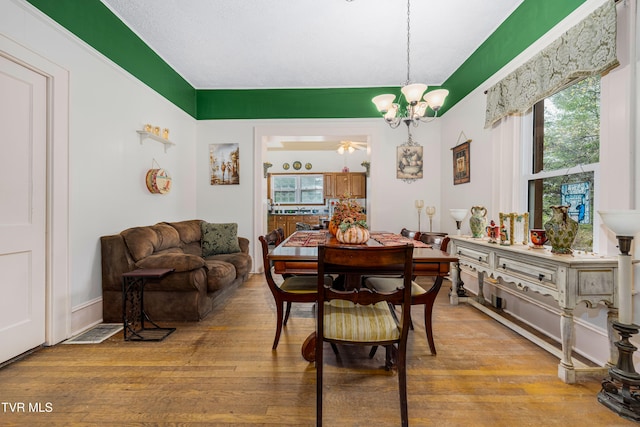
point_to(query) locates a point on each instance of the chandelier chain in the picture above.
(408, 42)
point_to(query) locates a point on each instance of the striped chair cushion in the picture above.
(390, 284)
(346, 321)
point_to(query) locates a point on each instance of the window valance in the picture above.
(586, 49)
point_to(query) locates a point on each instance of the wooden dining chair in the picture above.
(413, 235)
(292, 289)
(363, 316)
(434, 239)
(274, 238)
(419, 295)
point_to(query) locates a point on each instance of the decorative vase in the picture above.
(478, 221)
(561, 230)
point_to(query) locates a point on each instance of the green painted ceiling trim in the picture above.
(93, 22)
(289, 103)
(530, 21)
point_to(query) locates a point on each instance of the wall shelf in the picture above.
(148, 135)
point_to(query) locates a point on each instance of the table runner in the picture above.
(306, 238)
(393, 239)
(312, 238)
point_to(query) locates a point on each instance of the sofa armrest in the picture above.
(178, 261)
(244, 244)
(115, 261)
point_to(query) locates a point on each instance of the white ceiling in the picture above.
(254, 44)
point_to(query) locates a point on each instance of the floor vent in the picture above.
(96, 335)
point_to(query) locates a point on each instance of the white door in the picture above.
(23, 125)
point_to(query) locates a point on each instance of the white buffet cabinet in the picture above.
(568, 279)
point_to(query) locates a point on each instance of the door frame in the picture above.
(57, 292)
(263, 132)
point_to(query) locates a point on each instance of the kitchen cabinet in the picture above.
(288, 222)
(337, 184)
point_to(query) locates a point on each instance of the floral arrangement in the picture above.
(348, 213)
(348, 223)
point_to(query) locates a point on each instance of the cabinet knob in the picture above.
(540, 277)
(479, 259)
(504, 266)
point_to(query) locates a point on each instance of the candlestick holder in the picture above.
(621, 390)
(430, 211)
(419, 206)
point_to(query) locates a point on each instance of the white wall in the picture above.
(107, 163)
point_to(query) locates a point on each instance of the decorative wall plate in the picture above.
(297, 165)
(308, 166)
(158, 181)
(285, 166)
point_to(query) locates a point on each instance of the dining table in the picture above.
(298, 254)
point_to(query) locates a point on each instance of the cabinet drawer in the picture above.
(538, 272)
(475, 256)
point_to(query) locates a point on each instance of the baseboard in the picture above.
(86, 316)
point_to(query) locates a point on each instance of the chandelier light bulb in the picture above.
(392, 113)
(413, 92)
(384, 102)
(420, 110)
(436, 98)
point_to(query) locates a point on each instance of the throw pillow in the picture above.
(219, 239)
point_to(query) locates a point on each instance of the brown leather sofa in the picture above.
(188, 293)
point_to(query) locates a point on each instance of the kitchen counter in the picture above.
(287, 221)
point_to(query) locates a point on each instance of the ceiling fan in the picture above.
(351, 146)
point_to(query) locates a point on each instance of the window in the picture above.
(294, 189)
(566, 145)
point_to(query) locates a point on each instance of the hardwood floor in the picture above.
(222, 372)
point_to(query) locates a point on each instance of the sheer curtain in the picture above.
(506, 149)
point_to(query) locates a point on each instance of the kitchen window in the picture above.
(297, 189)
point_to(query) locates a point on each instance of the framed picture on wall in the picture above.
(461, 163)
(224, 164)
(409, 162)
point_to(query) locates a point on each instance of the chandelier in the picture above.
(413, 93)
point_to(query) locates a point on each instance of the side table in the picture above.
(133, 314)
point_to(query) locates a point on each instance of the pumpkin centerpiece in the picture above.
(344, 209)
(349, 223)
(352, 232)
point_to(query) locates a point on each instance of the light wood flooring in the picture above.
(222, 372)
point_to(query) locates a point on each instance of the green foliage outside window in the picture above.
(571, 138)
